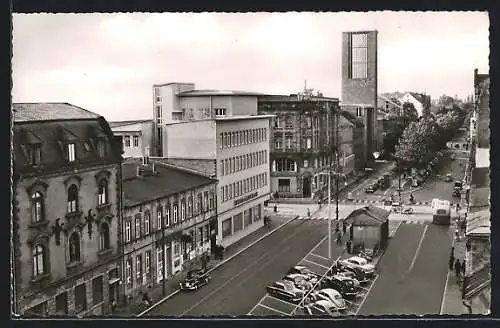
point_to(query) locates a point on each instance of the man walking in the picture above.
(462, 268)
(458, 268)
(452, 259)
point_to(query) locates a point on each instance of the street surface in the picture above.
(412, 272)
(240, 283)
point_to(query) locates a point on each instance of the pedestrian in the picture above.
(275, 208)
(339, 239)
(113, 306)
(348, 245)
(204, 261)
(221, 252)
(458, 268)
(344, 227)
(462, 268)
(308, 212)
(452, 260)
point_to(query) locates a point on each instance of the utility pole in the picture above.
(164, 263)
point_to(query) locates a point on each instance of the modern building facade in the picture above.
(181, 102)
(237, 148)
(66, 211)
(360, 82)
(136, 137)
(302, 141)
(169, 220)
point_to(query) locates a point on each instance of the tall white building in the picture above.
(220, 133)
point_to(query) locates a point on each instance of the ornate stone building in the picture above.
(302, 141)
(66, 211)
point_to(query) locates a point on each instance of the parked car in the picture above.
(300, 281)
(370, 189)
(346, 286)
(331, 295)
(456, 193)
(396, 207)
(285, 290)
(321, 307)
(303, 270)
(449, 177)
(195, 279)
(407, 210)
(363, 270)
(458, 185)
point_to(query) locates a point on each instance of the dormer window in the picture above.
(34, 154)
(101, 147)
(70, 148)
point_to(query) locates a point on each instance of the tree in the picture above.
(410, 114)
(446, 101)
(393, 131)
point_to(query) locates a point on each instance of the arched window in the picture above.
(103, 192)
(72, 199)
(74, 247)
(38, 260)
(37, 207)
(104, 237)
(183, 210)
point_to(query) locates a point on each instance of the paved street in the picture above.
(240, 283)
(412, 272)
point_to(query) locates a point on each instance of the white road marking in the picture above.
(257, 304)
(366, 296)
(418, 249)
(321, 257)
(363, 288)
(273, 309)
(280, 300)
(444, 293)
(350, 302)
(320, 265)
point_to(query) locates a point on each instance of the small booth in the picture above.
(368, 227)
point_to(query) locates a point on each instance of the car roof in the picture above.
(324, 303)
(357, 258)
(330, 291)
(300, 267)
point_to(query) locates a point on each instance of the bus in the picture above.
(441, 212)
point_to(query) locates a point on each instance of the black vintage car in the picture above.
(195, 279)
(286, 290)
(346, 286)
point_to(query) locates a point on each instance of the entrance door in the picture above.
(306, 187)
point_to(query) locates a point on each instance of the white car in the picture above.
(321, 307)
(300, 280)
(360, 266)
(332, 296)
(305, 271)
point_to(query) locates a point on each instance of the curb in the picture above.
(221, 263)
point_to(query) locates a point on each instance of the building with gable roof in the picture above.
(420, 101)
(66, 211)
(369, 227)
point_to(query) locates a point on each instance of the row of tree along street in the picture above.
(414, 141)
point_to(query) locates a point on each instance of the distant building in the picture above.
(392, 107)
(359, 83)
(181, 102)
(66, 211)
(420, 101)
(159, 196)
(136, 136)
(302, 141)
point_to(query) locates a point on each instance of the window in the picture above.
(175, 213)
(190, 207)
(38, 260)
(221, 140)
(97, 290)
(199, 203)
(237, 222)
(127, 141)
(136, 141)
(62, 303)
(101, 147)
(222, 194)
(147, 264)
(128, 271)
(128, 230)
(80, 298)
(74, 247)
(37, 206)
(220, 111)
(102, 192)
(227, 227)
(159, 264)
(277, 144)
(289, 122)
(183, 210)
(71, 152)
(284, 185)
(138, 267)
(147, 224)
(34, 154)
(358, 56)
(72, 199)
(167, 215)
(104, 237)
(211, 200)
(247, 217)
(205, 201)
(138, 227)
(285, 164)
(359, 111)
(277, 122)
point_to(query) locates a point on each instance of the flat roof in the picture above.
(200, 93)
(294, 98)
(243, 117)
(169, 83)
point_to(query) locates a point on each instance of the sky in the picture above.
(107, 63)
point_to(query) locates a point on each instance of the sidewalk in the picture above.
(136, 307)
